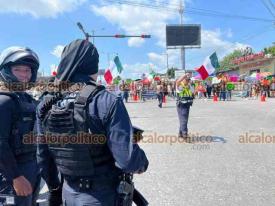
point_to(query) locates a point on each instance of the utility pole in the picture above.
(167, 63)
(182, 50)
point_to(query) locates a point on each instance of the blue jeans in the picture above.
(160, 98)
(229, 94)
(72, 196)
(223, 95)
(183, 113)
(30, 171)
(126, 96)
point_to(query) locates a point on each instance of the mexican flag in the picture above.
(211, 63)
(113, 70)
(118, 64)
(108, 76)
(152, 74)
(53, 70)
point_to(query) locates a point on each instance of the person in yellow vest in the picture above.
(184, 101)
(229, 88)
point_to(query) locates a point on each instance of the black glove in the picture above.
(55, 197)
(137, 134)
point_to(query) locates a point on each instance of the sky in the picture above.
(46, 26)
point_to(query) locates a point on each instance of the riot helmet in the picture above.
(17, 56)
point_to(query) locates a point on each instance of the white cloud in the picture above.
(161, 59)
(229, 33)
(212, 40)
(135, 42)
(135, 71)
(57, 51)
(137, 20)
(39, 8)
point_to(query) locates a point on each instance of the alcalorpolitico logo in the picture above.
(63, 139)
(256, 138)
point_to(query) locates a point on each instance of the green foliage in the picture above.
(171, 72)
(270, 50)
(128, 81)
(226, 62)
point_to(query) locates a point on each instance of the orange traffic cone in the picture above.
(215, 98)
(263, 98)
(164, 99)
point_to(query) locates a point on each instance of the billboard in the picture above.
(186, 35)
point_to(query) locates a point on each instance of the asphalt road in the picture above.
(216, 169)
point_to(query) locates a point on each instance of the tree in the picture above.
(226, 62)
(270, 50)
(128, 81)
(171, 73)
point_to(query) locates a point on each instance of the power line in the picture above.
(271, 3)
(190, 10)
(267, 7)
(243, 39)
(151, 6)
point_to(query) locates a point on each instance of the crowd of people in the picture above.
(223, 89)
(160, 90)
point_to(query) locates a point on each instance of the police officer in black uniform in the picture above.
(18, 165)
(91, 169)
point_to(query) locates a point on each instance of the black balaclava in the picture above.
(79, 60)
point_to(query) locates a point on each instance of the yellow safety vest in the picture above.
(186, 92)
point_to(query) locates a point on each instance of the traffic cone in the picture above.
(215, 98)
(263, 98)
(164, 99)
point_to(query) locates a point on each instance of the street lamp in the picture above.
(167, 58)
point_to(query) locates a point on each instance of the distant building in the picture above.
(252, 63)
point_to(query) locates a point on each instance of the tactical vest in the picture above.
(77, 158)
(185, 96)
(22, 127)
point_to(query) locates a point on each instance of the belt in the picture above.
(185, 101)
(86, 183)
